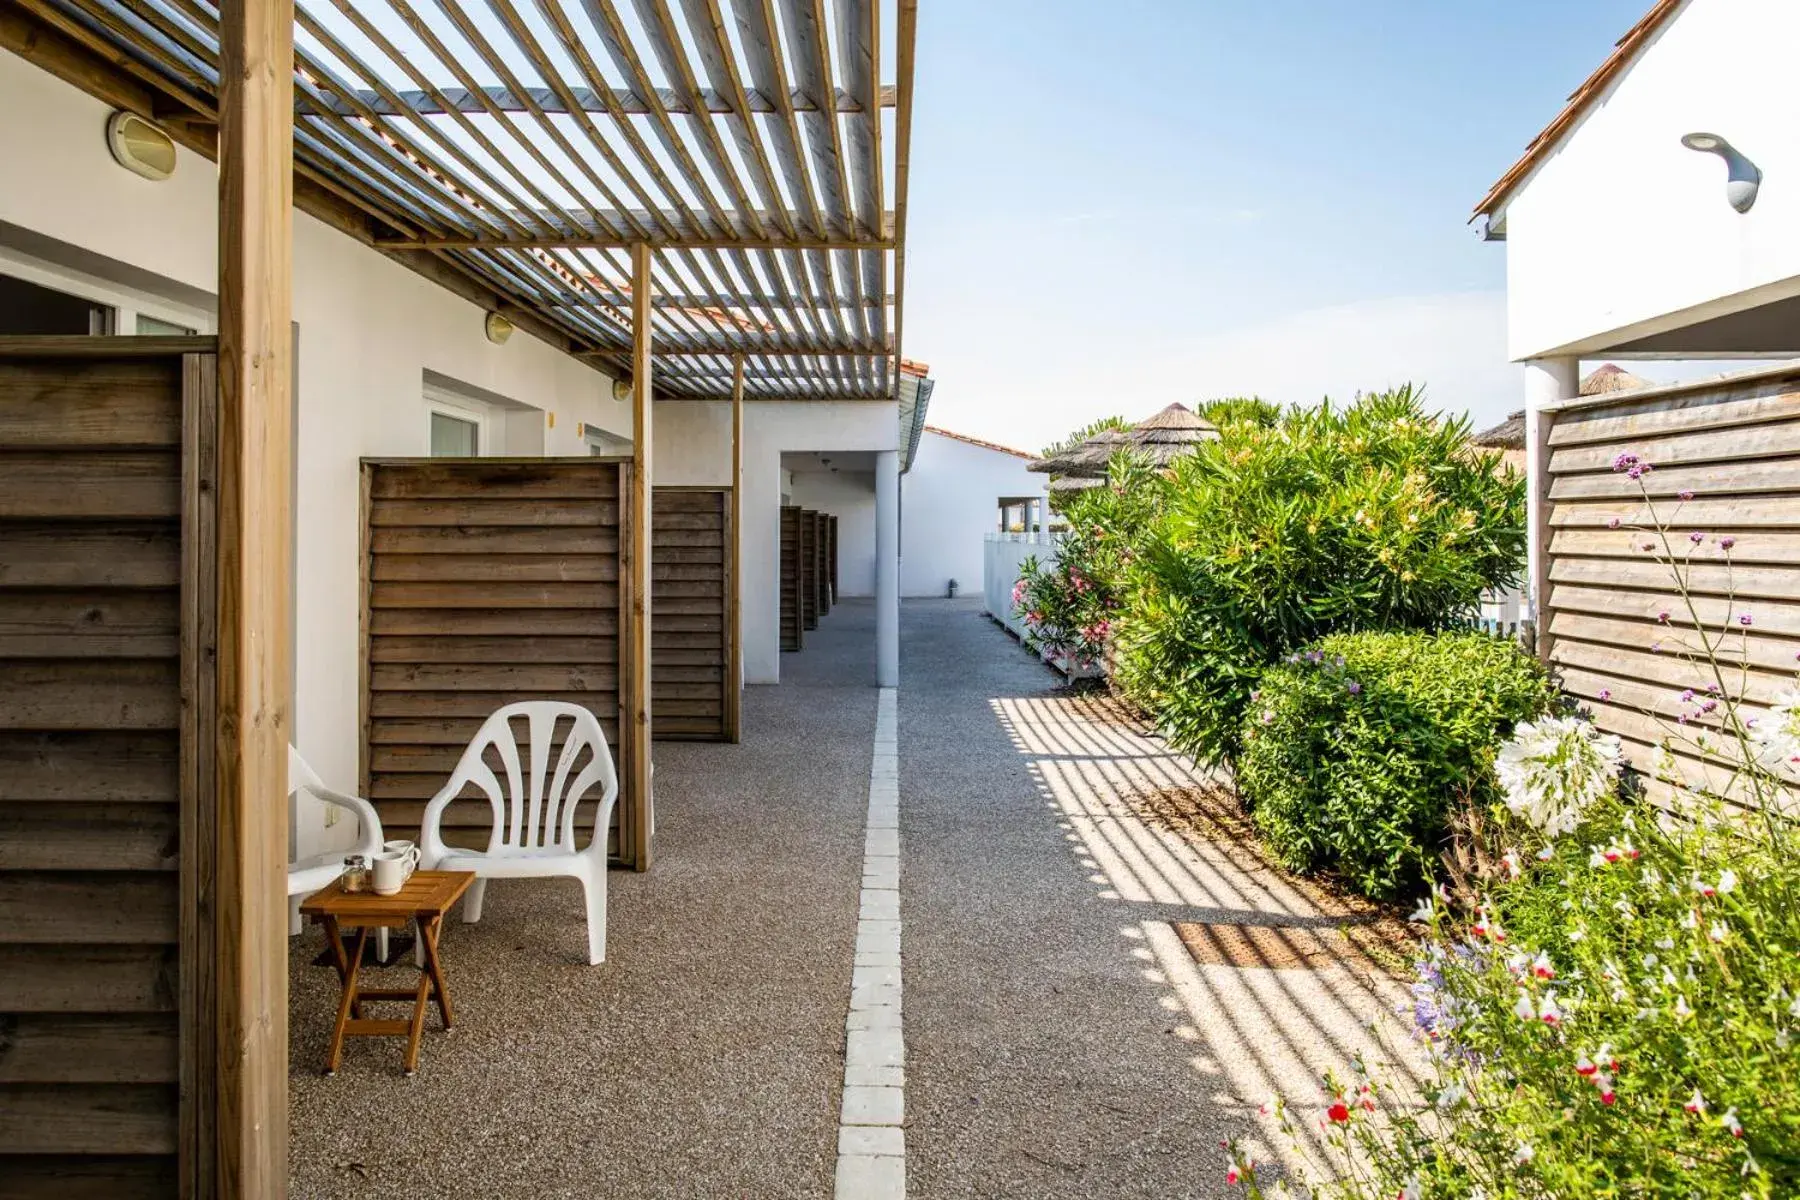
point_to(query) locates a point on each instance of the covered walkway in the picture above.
(1062, 1039)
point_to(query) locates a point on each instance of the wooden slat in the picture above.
(478, 479)
(491, 539)
(85, 694)
(457, 594)
(474, 704)
(1754, 548)
(89, 623)
(1715, 515)
(1770, 616)
(1667, 669)
(1680, 637)
(1713, 445)
(89, 1177)
(57, 978)
(423, 650)
(1747, 583)
(1628, 423)
(97, 1119)
(90, 485)
(523, 680)
(98, 403)
(1714, 479)
(104, 837)
(89, 556)
(86, 767)
(70, 1048)
(89, 908)
(490, 568)
(499, 622)
(531, 514)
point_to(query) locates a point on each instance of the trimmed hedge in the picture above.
(1356, 749)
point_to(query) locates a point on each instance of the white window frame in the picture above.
(605, 443)
(461, 408)
(123, 303)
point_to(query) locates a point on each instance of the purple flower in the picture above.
(1354, 688)
(1687, 696)
(1625, 462)
(1647, 546)
(1727, 542)
(1744, 620)
(1686, 493)
(1612, 522)
(1696, 537)
(1709, 706)
(1663, 616)
(1637, 471)
(1606, 693)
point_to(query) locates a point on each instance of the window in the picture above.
(41, 296)
(149, 326)
(28, 308)
(602, 444)
(454, 437)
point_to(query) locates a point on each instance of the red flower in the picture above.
(1338, 1113)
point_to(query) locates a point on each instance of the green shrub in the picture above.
(1232, 410)
(1375, 516)
(1069, 603)
(1356, 749)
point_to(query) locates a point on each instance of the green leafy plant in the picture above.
(1236, 410)
(1356, 748)
(1081, 435)
(1070, 603)
(1374, 516)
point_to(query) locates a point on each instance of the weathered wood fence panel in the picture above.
(106, 596)
(485, 582)
(793, 625)
(1614, 624)
(693, 614)
(809, 568)
(822, 564)
(831, 557)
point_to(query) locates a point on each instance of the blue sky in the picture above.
(1118, 206)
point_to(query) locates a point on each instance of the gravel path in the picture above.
(1062, 1039)
(704, 1058)
(1102, 979)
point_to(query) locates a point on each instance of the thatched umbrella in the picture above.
(1608, 377)
(1161, 439)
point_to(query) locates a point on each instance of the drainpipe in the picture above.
(887, 568)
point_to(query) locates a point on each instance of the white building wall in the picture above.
(368, 331)
(949, 504)
(693, 445)
(1624, 228)
(850, 497)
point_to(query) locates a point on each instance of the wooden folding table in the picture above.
(424, 899)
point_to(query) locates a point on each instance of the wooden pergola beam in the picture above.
(626, 101)
(734, 677)
(637, 733)
(612, 241)
(749, 346)
(255, 542)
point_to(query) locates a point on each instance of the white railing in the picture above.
(1004, 554)
(1502, 611)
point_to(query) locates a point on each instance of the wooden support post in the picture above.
(249, 909)
(734, 672)
(638, 736)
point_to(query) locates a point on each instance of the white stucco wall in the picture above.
(1623, 226)
(949, 504)
(850, 497)
(368, 331)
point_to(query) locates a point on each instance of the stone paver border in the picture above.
(871, 1162)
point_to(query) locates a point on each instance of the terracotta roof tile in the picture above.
(963, 437)
(1584, 98)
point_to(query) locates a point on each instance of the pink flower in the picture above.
(1696, 1103)
(1542, 967)
(1584, 1067)
(1606, 693)
(1696, 537)
(1744, 620)
(1612, 522)
(1663, 616)
(1727, 542)
(1231, 1171)
(1604, 1082)
(1685, 494)
(1730, 1121)
(1548, 1011)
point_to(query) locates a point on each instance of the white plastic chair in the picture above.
(308, 875)
(534, 808)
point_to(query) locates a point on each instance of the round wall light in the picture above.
(497, 328)
(1742, 177)
(139, 146)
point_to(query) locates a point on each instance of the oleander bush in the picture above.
(1374, 516)
(1356, 749)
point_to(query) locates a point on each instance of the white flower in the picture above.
(1424, 912)
(1524, 1153)
(1727, 881)
(1777, 736)
(1553, 769)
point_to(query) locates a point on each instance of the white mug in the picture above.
(402, 846)
(390, 869)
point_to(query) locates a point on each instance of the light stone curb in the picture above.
(871, 1162)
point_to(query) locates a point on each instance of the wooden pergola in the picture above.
(695, 204)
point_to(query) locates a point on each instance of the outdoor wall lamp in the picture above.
(1742, 177)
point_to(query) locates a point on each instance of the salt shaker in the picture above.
(356, 874)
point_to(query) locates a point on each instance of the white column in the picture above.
(1547, 380)
(887, 568)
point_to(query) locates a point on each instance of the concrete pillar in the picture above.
(1547, 380)
(887, 568)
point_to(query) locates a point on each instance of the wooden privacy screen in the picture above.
(793, 625)
(809, 568)
(831, 556)
(822, 563)
(487, 581)
(106, 605)
(693, 615)
(1736, 447)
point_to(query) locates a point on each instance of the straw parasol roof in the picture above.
(1602, 380)
(1162, 439)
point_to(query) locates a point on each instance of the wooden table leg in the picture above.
(334, 940)
(421, 1004)
(348, 1002)
(434, 967)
